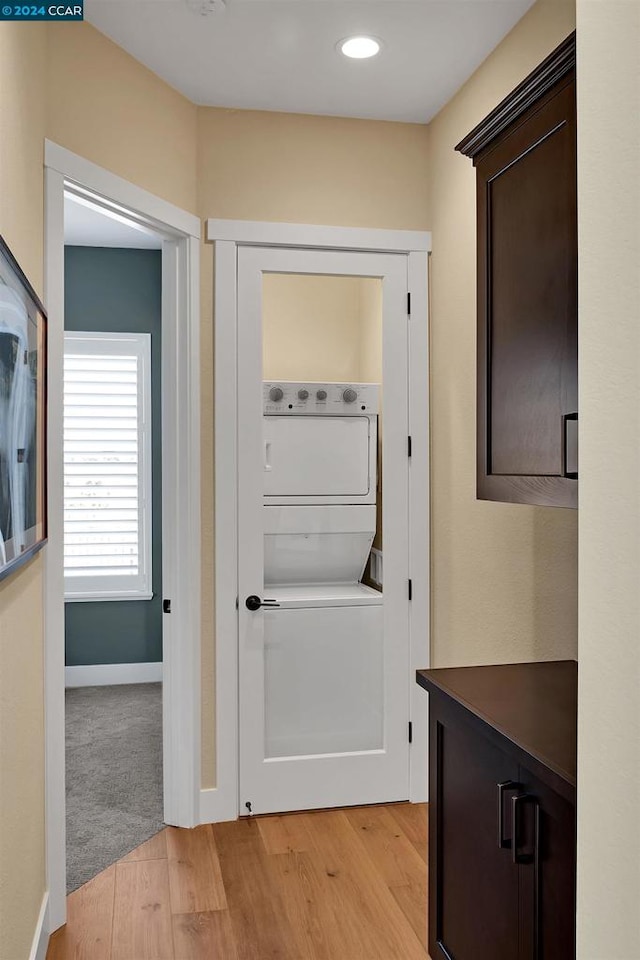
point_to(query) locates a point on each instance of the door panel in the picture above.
(324, 693)
(527, 306)
(475, 912)
(547, 901)
(323, 681)
(532, 213)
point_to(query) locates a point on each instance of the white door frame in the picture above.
(181, 566)
(227, 236)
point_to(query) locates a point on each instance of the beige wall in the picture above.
(322, 328)
(504, 576)
(290, 167)
(371, 332)
(287, 167)
(22, 874)
(609, 684)
(107, 107)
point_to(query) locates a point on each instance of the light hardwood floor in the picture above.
(330, 885)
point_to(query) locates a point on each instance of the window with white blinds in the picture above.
(107, 466)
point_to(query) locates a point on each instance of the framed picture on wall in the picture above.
(23, 417)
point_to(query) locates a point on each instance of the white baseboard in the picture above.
(106, 674)
(41, 936)
(213, 809)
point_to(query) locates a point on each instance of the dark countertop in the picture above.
(534, 705)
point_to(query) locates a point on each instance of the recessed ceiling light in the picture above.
(359, 48)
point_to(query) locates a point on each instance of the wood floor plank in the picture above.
(204, 936)
(414, 820)
(87, 934)
(395, 857)
(195, 880)
(413, 903)
(284, 834)
(153, 849)
(142, 914)
(310, 914)
(372, 923)
(397, 861)
(257, 912)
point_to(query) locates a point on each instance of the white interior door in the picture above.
(324, 687)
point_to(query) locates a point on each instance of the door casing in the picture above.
(222, 802)
(181, 566)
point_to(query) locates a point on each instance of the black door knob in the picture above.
(254, 603)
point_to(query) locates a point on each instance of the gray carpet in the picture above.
(114, 774)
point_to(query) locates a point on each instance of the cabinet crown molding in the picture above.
(559, 63)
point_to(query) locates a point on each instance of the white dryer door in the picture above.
(316, 456)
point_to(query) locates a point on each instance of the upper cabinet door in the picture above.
(525, 155)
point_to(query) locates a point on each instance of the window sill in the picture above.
(101, 597)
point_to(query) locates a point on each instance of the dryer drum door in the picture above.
(318, 457)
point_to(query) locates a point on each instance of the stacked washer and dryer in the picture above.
(324, 639)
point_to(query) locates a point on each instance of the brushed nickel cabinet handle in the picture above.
(570, 446)
(519, 854)
(503, 842)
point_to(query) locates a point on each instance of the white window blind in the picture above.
(107, 466)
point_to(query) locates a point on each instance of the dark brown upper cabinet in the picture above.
(525, 158)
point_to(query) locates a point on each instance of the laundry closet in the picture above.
(320, 514)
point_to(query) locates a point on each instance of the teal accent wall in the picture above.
(120, 290)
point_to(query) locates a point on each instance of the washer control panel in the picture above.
(337, 399)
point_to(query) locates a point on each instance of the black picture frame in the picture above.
(23, 417)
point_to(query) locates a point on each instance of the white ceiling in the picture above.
(86, 225)
(281, 54)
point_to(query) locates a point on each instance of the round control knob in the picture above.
(349, 395)
(275, 394)
(303, 394)
(321, 395)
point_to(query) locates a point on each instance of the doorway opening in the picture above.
(123, 555)
(316, 344)
(112, 536)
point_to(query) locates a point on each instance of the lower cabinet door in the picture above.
(547, 828)
(474, 901)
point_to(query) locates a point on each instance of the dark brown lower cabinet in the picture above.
(548, 898)
(501, 844)
(475, 912)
